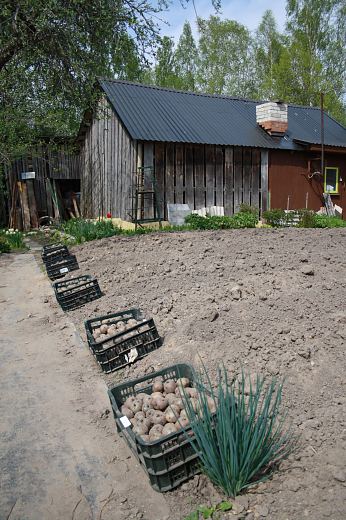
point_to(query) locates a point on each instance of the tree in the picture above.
(164, 72)
(225, 58)
(268, 48)
(314, 58)
(185, 60)
(50, 53)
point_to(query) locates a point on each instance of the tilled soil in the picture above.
(269, 301)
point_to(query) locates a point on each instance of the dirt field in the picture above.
(271, 301)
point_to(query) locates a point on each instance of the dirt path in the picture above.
(60, 457)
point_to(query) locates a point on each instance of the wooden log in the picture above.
(23, 195)
(32, 204)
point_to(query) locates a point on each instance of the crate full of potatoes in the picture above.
(53, 252)
(149, 413)
(118, 339)
(59, 267)
(75, 292)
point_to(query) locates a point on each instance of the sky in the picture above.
(247, 12)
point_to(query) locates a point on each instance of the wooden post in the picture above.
(23, 194)
(32, 204)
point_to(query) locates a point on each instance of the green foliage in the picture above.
(275, 217)
(13, 238)
(242, 443)
(80, 230)
(239, 220)
(247, 208)
(210, 512)
(4, 245)
(186, 60)
(323, 221)
(306, 218)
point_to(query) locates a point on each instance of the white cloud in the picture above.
(247, 12)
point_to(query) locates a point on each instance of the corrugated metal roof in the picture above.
(159, 114)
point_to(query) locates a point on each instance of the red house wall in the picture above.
(289, 181)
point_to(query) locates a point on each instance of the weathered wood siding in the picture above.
(206, 175)
(108, 164)
(62, 163)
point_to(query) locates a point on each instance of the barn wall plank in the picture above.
(255, 177)
(199, 176)
(229, 181)
(160, 177)
(210, 174)
(238, 177)
(170, 173)
(247, 158)
(189, 189)
(219, 188)
(179, 173)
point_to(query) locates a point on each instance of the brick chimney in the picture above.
(272, 116)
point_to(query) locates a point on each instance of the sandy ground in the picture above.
(271, 301)
(59, 455)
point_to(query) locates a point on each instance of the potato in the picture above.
(158, 417)
(129, 401)
(135, 406)
(154, 395)
(120, 324)
(101, 338)
(172, 413)
(192, 392)
(168, 429)
(155, 432)
(150, 412)
(160, 403)
(104, 329)
(158, 384)
(171, 398)
(142, 396)
(146, 407)
(140, 416)
(96, 333)
(182, 422)
(126, 411)
(169, 386)
(112, 330)
(131, 322)
(183, 381)
(211, 404)
(145, 438)
(140, 428)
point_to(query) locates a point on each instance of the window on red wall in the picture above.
(331, 180)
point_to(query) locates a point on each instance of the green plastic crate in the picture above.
(168, 461)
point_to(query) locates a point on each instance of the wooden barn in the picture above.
(205, 150)
(43, 183)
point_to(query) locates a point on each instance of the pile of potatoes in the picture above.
(108, 329)
(162, 412)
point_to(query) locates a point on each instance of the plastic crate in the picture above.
(60, 266)
(53, 252)
(168, 461)
(75, 292)
(120, 350)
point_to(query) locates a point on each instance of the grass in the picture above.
(11, 239)
(242, 443)
(303, 218)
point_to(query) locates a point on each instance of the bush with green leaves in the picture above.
(244, 440)
(4, 245)
(323, 221)
(239, 220)
(80, 230)
(13, 237)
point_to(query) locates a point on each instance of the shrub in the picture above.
(14, 238)
(240, 220)
(4, 245)
(306, 218)
(247, 208)
(323, 221)
(81, 230)
(243, 442)
(274, 217)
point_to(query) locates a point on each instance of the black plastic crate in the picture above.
(168, 461)
(75, 292)
(53, 252)
(60, 266)
(125, 347)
